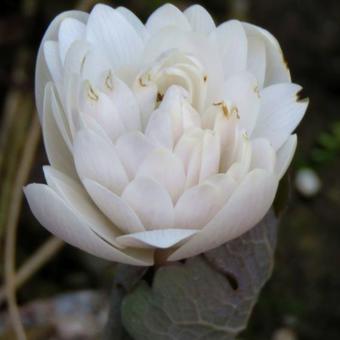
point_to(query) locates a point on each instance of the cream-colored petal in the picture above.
(244, 209)
(61, 220)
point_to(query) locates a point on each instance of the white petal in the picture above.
(167, 15)
(197, 206)
(42, 75)
(285, 155)
(276, 68)
(100, 107)
(96, 158)
(225, 184)
(59, 115)
(242, 90)
(61, 220)
(159, 129)
(242, 156)
(165, 168)
(245, 208)
(200, 19)
(280, 113)
(132, 149)
(69, 31)
(263, 155)
(164, 238)
(211, 152)
(256, 63)
(194, 166)
(111, 33)
(232, 42)
(203, 48)
(151, 202)
(114, 207)
(58, 153)
(124, 101)
(53, 61)
(77, 198)
(134, 22)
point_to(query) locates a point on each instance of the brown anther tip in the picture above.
(159, 97)
(205, 78)
(141, 83)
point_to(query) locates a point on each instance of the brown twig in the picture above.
(34, 263)
(12, 222)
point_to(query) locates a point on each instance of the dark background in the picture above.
(303, 295)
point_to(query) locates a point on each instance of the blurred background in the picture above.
(302, 299)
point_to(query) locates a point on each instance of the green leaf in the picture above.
(209, 296)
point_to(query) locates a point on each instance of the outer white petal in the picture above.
(42, 75)
(77, 198)
(246, 207)
(232, 42)
(256, 63)
(197, 206)
(59, 114)
(151, 202)
(285, 155)
(167, 15)
(61, 220)
(163, 238)
(58, 153)
(276, 68)
(114, 207)
(242, 90)
(112, 34)
(134, 22)
(165, 168)
(96, 158)
(263, 155)
(70, 30)
(132, 149)
(200, 19)
(53, 61)
(280, 113)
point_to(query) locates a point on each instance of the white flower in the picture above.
(172, 134)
